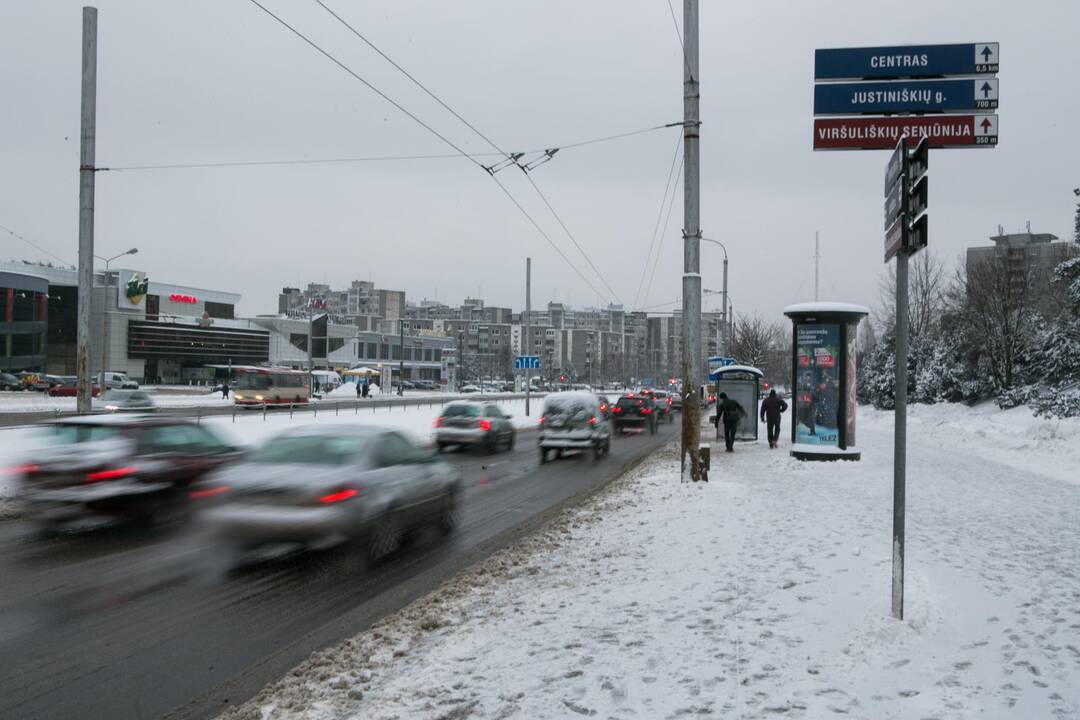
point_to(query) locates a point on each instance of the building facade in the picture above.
(23, 321)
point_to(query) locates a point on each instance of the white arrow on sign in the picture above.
(986, 53)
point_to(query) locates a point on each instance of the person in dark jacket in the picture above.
(728, 412)
(367, 388)
(225, 390)
(359, 390)
(771, 409)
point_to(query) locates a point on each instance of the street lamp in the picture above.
(105, 316)
(727, 337)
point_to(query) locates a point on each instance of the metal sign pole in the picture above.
(900, 437)
(528, 335)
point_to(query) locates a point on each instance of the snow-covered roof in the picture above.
(571, 397)
(826, 307)
(737, 368)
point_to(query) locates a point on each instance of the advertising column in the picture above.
(817, 391)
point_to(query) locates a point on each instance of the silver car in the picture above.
(319, 486)
(573, 421)
(477, 424)
(115, 400)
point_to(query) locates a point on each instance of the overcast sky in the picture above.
(218, 80)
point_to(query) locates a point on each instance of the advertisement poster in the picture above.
(817, 391)
(852, 352)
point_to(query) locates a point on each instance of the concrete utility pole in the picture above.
(87, 158)
(691, 300)
(528, 335)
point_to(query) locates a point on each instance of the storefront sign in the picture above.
(817, 391)
(177, 298)
(133, 288)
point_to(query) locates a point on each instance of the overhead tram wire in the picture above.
(663, 231)
(678, 34)
(367, 158)
(511, 157)
(660, 213)
(34, 245)
(427, 127)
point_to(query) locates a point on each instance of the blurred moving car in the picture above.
(573, 420)
(605, 406)
(469, 389)
(476, 424)
(664, 405)
(111, 467)
(318, 486)
(634, 411)
(9, 382)
(124, 401)
(426, 385)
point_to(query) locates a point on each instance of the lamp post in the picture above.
(724, 291)
(105, 317)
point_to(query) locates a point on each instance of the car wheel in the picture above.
(448, 515)
(598, 451)
(385, 537)
(607, 446)
(652, 428)
(492, 444)
(543, 456)
(441, 447)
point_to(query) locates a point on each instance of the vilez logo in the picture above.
(136, 288)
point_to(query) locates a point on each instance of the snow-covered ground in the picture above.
(20, 444)
(763, 593)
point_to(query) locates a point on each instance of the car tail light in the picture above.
(484, 424)
(616, 409)
(338, 496)
(438, 421)
(646, 411)
(208, 492)
(592, 420)
(541, 420)
(112, 474)
(19, 470)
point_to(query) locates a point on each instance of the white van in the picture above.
(119, 380)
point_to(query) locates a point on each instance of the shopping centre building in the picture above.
(159, 332)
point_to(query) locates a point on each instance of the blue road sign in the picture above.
(902, 96)
(527, 362)
(906, 61)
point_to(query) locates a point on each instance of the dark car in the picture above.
(318, 486)
(9, 382)
(664, 405)
(114, 467)
(634, 411)
(476, 424)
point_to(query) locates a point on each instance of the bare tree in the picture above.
(995, 307)
(759, 343)
(927, 287)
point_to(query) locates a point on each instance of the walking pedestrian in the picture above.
(728, 412)
(225, 390)
(367, 388)
(771, 409)
(358, 388)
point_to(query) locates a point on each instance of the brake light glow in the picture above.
(19, 470)
(592, 420)
(541, 420)
(646, 411)
(438, 422)
(616, 409)
(485, 424)
(208, 492)
(110, 474)
(339, 496)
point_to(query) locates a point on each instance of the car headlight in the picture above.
(238, 396)
(258, 397)
(112, 408)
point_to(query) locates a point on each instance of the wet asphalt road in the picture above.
(115, 624)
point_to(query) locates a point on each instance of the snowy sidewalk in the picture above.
(762, 593)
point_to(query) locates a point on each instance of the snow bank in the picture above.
(762, 593)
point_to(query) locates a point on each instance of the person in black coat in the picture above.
(728, 411)
(771, 409)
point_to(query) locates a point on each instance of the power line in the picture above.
(426, 127)
(678, 35)
(511, 158)
(660, 212)
(32, 244)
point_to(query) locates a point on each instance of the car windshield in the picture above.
(461, 411)
(627, 402)
(310, 450)
(565, 408)
(118, 395)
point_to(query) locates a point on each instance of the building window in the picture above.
(153, 307)
(336, 343)
(384, 351)
(372, 351)
(298, 341)
(396, 352)
(219, 310)
(25, 344)
(25, 306)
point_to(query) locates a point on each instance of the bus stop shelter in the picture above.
(742, 384)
